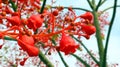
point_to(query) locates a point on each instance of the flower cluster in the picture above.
(30, 27)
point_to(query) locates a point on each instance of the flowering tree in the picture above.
(40, 30)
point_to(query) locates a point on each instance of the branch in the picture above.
(91, 5)
(99, 3)
(43, 6)
(9, 38)
(86, 50)
(77, 8)
(109, 8)
(65, 64)
(14, 7)
(45, 60)
(81, 60)
(108, 35)
(98, 36)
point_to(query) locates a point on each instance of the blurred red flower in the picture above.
(27, 44)
(67, 44)
(34, 22)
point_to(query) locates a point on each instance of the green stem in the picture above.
(108, 35)
(14, 7)
(91, 5)
(65, 64)
(99, 3)
(103, 2)
(87, 50)
(81, 60)
(45, 60)
(76, 8)
(98, 36)
(62, 59)
(43, 6)
(9, 38)
(109, 8)
(41, 11)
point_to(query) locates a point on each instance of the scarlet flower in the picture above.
(67, 44)
(27, 44)
(35, 21)
(32, 50)
(14, 20)
(27, 39)
(87, 15)
(88, 29)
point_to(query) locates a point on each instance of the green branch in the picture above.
(103, 2)
(90, 4)
(99, 3)
(77, 8)
(86, 50)
(81, 60)
(65, 64)
(45, 60)
(9, 38)
(14, 7)
(43, 6)
(108, 35)
(109, 8)
(98, 36)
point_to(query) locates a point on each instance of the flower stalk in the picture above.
(45, 60)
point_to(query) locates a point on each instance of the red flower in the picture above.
(14, 20)
(87, 15)
(67, 44)
(27, 39)
(27, 44)
(34, 22)
(32, 50)
(88, 29)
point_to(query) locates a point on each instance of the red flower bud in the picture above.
(88, 29)
(87, 15)
(14, 20)
(55, 12)
(67, 44)
(34, 22)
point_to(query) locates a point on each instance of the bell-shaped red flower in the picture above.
(87, 15)
(27, 40)
(88, 29)
(67, 44)
(34, 22)
(27, 44)
(32, 50)
(14, 20)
